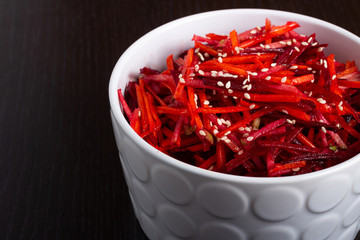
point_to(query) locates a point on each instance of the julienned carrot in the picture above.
(264, 102)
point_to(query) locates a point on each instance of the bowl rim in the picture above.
(115, 107)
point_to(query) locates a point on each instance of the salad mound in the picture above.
(266, 102)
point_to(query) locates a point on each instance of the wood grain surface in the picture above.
(60, 176)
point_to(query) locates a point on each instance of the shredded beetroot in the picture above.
(266, 102)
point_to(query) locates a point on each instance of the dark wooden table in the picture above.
(60, 176)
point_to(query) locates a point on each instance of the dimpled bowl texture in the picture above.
(173, 200)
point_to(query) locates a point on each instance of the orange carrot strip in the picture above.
(205, 48)
(234, 40)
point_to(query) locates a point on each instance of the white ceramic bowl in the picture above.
(173, 200)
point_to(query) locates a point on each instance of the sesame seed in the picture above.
(237, 50)
(254, 74)
(309, 40)
(320, 100)
(293, 122)
(245, 135)
(220, 84)
(196, 67)
(309, 68)
(264, 69)
(320, 49)
(220, 73)
(288, 43)
(224, 138)
(228, 85)
(314, 44)
(273, 64)
(325, 64)
(282, 42)
(202, 133)
(214, 74)
(314, 71)
(268, 78)
(245, 86)
(341, 108)
(214, 92)
(252, 106)
(340, 103)
(293, 67)
(240, 152)
(333, 77)
(247, 96)
(224, 55)
(338, 125)
(294, 40)
(323, 129)
(284, 111)
(258, 28)
(206, 102)
(310, 93)
(227, 140)
(297, 49)
(139, 113)
(283, 80)
(230, 91)
(225, 96)
(201, 56)
(227, 133)
(223, 120)
(296, 169)
(206, 55)
(234, 97)
(249, 139)
(289, 121)
(181, 80)
(219, 59)
(197, 50)
(267, 47)
(228, 123)
(191, 75)
(247, 129)
(304, 43)
(253, 31)
(321, 61)
(241, 128)
(215, 131)
(249, 87)
(262, 45)
(219, 121)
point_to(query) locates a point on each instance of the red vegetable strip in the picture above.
(175, 138)
(271, 126)
(205, 48)
(304, 140)
(349, 84)
(273, 98)
(171, 110)
(135, 121)
(234, 41)
(220, 155)
(348, 128)
(126, 107)
(206, 120)
(143, 117)
(267, 30)
(276, 31)
(292, 165)
(193, 107)
(232, 109)
(147, 106)
(334, 87)
(302, 79)
(231, 69)
(288, 146)
(209, 162)
(170, 62)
